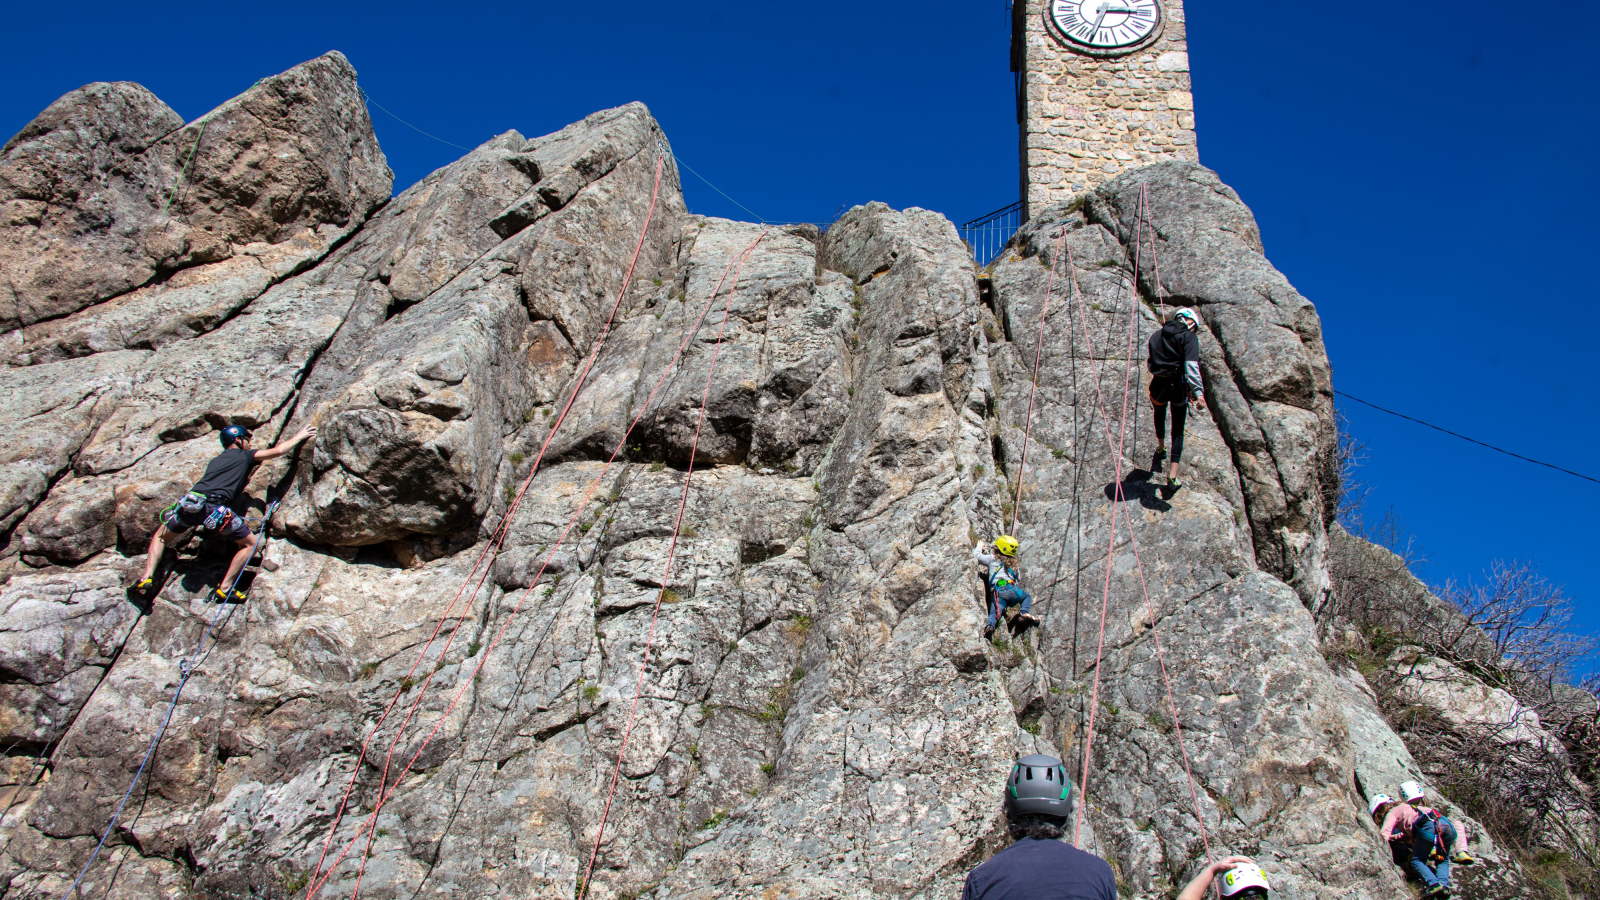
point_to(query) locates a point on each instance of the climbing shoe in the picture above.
(220, 595)
(1025, 620)
(1462, 858)
(1159, 458)
(1174, 485)
(145, 584)
(1437, 892)
(988, 632)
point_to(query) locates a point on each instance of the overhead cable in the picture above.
(368, 98)
(1467, 439)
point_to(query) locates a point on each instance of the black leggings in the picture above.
(1180, 409)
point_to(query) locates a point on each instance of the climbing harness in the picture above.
(655, 613)
(186, 668)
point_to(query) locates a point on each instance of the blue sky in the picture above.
(1420, 171)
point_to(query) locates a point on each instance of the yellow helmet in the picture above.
(1006, 544)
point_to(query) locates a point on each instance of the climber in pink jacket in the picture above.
(1425, 835)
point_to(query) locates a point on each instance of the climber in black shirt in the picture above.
(208, 505)
(1038, 866)
(1175, 379)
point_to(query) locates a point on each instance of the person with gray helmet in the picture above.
(1038, 865)
(1174, 364)
(209, 505)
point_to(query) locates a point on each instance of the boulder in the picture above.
(107, 187)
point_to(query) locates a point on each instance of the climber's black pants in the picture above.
(1164, 392)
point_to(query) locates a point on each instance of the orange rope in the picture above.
(655, 613)
(497, 538)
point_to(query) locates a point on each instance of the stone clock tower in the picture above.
(1102, 87)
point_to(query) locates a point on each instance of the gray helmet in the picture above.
(1039, 784)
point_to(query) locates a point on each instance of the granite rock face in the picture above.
(508, 628)
(108, 188)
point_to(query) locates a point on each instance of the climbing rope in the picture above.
(1038, 355)
(186, 668)
(1115, 447)
(485, 558)
(320, 876)
(1116, 505)
(655, 612)
(183, 171)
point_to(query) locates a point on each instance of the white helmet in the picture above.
(1376, 801)
(1245, 880)
(1411, 791)
(1187, 313)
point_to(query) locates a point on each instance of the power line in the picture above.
(1469, 440)
(368, 98)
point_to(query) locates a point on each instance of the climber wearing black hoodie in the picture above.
(1175, 380)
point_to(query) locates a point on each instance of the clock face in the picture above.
(1106, 25)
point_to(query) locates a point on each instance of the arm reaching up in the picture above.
(1197, 888)
(288, 446)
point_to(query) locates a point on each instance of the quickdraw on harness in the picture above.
(218, 519)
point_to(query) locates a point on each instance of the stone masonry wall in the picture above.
(1087, 119)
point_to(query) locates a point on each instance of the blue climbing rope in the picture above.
(186, 667)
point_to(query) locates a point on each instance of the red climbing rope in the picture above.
(1155, 259)
(1038, 354)
(1144, 587)
(672, 547)
(369, 825)
(1105, 600)
(485, 557)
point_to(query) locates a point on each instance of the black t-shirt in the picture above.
(1041, 870)
(226, 475)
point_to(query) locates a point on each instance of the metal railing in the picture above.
(988, 234)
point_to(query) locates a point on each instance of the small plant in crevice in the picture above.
(768, 768)
(657, 466)
(715, 820)
(688, 531)
(591, 692)
(516, 457)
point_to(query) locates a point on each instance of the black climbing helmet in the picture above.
(1039, 784)
(234, 434)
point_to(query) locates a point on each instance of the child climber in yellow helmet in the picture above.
(1000, 569)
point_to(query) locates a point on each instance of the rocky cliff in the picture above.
(430, 692)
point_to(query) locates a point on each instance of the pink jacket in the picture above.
(1400, 821)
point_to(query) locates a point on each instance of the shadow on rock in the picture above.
(1137, 486)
